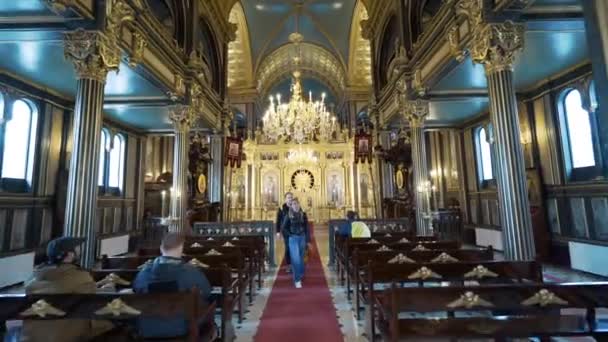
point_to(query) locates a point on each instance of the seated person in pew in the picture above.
(61, 275)
(346, 227)
(360, 229)
(169, 272)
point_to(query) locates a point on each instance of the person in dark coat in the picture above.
(295, 225)
(167, 273)
(282, 212)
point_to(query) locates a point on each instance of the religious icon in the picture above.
(334, 189)
(233, 150)
(364, 186)
(202, 184)
(240, 190)
(270, 190)
(399, 179)
(363, 145)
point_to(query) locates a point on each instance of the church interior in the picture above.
(464, 139)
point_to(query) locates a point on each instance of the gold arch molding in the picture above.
(240, 66)
(315, 61)
(360, 57)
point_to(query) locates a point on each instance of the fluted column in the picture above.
(496, 46)
(181, 116)
(91, 54)
(416, 114)
(216, 177)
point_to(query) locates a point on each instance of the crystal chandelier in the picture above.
(298, 120)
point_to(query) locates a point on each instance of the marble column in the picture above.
(216, 177)
(93, 55)
(181, 116)
(416, 114)
(496, 46)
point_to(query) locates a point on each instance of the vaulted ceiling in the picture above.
(333, 51)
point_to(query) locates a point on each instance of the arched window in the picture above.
(111, 162)
(19, 142)
(484, 156)
(117, 163)
(578, 131)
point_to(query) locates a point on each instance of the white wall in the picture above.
(588, 258)
(114, 246)
(16, 269)
(487, 237)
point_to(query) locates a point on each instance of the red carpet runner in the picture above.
(305, 314)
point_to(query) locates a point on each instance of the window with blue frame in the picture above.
(484, 156)
(111, 162)
(579, 133)
(18, 141)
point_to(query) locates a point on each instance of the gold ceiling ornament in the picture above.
(116, 308)
(298, 120)
(359, 59)
(59, 7)
(544, 297)
(469, 300)
(496, 45)
(454, 38)
(93, 53)
(416, 112)
(138, 47)
(182, 117)
(424, 273)
(42, 309)
(480, 272)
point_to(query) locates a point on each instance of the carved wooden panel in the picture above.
(599, 207)
(579, 218)
(553, 215)
(19, 228)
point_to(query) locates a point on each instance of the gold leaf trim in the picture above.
(116, 308)
(544, 297)
(42, 309)
(401, 259)
(420, 248)
(424, 273)
(468, 300)
(383, 249)
(480, 272)
(197, 263)
(113, 279)
(444, 257)
(213, 252)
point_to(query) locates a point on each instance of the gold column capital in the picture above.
(92, 52)
(472, 10)
(416, 112)
(496, 45)
(182, 117)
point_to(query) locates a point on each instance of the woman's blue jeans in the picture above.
(297, 246)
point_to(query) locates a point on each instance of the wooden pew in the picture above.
(456, 273)
(361, 259)
(234, 261)
(218, 277)
(88, 306)
(501, 311)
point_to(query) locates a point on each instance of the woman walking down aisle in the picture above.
(304, 315)
(295, 225)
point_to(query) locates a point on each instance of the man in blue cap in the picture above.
(61, 275)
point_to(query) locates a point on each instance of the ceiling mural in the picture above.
(315, 62)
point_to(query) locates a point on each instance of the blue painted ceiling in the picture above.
(322, 22)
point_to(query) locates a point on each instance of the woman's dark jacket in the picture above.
(296, 224)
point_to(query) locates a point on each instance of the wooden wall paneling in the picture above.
(99, 219)
(43, 142)
(54, 153)
(46, 228)
(117, 220)
(469, 154)
(547, 141)
(129, 219)
(108, 220)
(553, 216)
(19, 226)
(4, 230)
(131, 167)
(578, 213)
(141, 178)
(599, 208)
